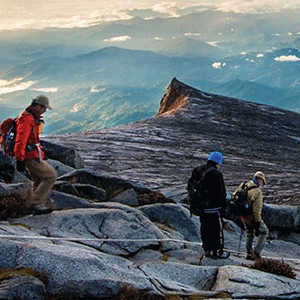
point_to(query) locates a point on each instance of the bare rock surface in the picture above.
(90, 249)
(245, 283)
(162, 151)
(93, 252)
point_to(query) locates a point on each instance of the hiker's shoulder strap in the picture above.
(209, 169)
(248, 188)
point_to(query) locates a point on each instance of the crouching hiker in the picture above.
(207, 196)
(30, 155)
(253, 223)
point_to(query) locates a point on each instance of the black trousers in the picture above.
(212, 230)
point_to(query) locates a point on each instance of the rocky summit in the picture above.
(162, 151)
(121, 228)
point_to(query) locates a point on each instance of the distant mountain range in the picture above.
(95, 80)
(231, 32)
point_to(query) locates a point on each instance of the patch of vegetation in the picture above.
(130, 293)
(273, 266)
(154, 197)
(22, 271)
(12, 206)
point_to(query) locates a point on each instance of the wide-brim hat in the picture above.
(261, 176)
(42, 100)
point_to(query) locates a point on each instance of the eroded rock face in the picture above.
(162, 151)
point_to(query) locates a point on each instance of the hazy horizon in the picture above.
(33, 14)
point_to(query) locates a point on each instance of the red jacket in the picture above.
(28, 134)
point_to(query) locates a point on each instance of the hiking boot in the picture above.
(250, 256)
(253, 255)
(224, 255)
(207, 254)
(214, 255)
(256, 255)
(220, 254)
(40, 209)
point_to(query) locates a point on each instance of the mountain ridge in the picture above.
(161, 152)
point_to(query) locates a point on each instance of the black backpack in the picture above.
(197, 195)
(239, 203)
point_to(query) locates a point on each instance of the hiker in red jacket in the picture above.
(30, 155)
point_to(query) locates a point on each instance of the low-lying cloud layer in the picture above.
(76, 13)
(17, 84)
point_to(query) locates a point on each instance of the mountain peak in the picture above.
(176, 97)
(162, 151)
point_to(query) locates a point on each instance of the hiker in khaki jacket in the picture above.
(254, 223)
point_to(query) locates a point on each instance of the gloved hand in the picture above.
(256, 227)
(21, 165)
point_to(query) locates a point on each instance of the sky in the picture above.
(39, 14)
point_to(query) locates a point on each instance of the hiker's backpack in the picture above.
(239, 203)
(8, 135)
(197, 194)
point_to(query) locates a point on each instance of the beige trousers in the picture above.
(43, 177)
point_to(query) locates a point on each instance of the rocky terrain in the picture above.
(162, 151)
(121, 220)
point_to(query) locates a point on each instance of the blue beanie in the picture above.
(217, 157)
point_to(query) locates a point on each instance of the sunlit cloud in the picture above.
(212, 43)
(94, 89)
(260, 55)
(46, 90)
(117, 39)
(254, 6)
(167, 8)
(157, 38)
(78, 13)
(192, 34)
(4, 82)
(287, 58)
(76, 107)
(218, 65)
(14, 85)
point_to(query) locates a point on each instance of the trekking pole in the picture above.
(240, 241)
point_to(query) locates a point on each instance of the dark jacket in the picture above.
(213, 183)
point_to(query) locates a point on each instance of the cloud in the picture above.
(260, 55)
(192, 34)
(117, 39)
(212, 43)
(256, 6)
(76, 107)
(78, 13)
(285, 58)
(46, 90)
(14, 85)
(218, 65)
(94, 89)
(167, 8)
